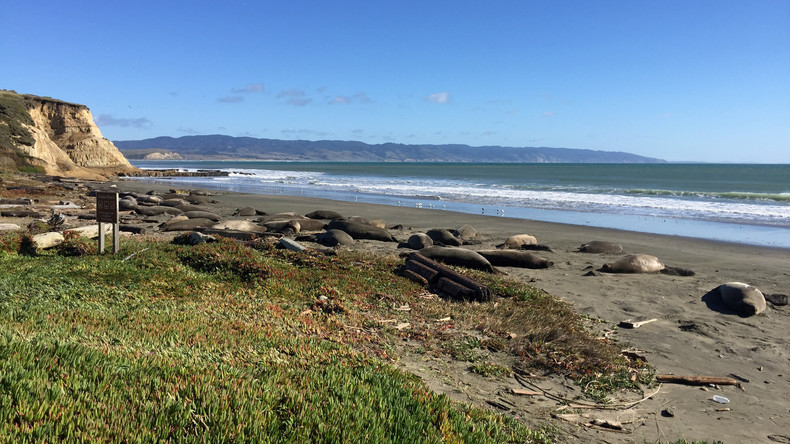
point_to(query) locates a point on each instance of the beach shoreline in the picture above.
(676, 224)
(689, 336)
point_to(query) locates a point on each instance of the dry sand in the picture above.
(688, 338)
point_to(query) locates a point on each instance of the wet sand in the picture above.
(691, 336)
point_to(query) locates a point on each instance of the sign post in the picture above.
(107, 213)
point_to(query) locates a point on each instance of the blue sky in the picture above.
(679, 80)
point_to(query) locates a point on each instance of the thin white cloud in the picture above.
(294, 97)
(340, 99)
(548, 113)
(440, 97)
(249, 89)
(108, 120)
(230, 99)
(359, 97)
(187, 130)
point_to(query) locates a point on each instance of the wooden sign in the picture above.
(107, 213)
(107, 207)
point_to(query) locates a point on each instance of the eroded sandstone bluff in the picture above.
(54, 137)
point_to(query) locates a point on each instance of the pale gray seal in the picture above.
(634, 263)
(515, 258)
(743, 298)
(465, 232)
(518, 241)
(203, 215)
(186, 224)
(601, 247)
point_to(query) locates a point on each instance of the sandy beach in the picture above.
(690, 336)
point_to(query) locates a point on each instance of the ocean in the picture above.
(747, 204)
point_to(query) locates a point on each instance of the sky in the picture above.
(681, 80)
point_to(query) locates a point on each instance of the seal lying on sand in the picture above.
(515, 258)
(601, 247)
(418, 241)
(361, 231)
(324, 214)
(333, 238)
(518, 241)
(644, 263)
(743, 298)
(444, 237)
(458, 256)
(634, 263)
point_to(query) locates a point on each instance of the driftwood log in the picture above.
(696, 380)
(439, 277)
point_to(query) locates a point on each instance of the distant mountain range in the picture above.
(219, 147)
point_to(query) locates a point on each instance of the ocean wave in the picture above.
(731, 206)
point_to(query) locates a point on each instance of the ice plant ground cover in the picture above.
(228, 341)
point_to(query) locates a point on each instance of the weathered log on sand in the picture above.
(696, 380)
(440, 277)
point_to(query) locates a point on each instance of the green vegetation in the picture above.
(13, 117)
(13, 114)
(226, 342)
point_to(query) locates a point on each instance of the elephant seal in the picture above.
(418, 241)
(282, 217)
(245, 212)
(378, 223)
(634, 263)
(743, 298)
(518, 241)
(202, 215)
(361, 231)
(515, 258)
(239, 225)
(284, 226)
(601, 247)
(149, 199)
(444, 237)
(465, 232)
(311, 224)
(333, 238)
(127, 204)
(179, 224)
(458, 256)
(156, 211)
(324, 214)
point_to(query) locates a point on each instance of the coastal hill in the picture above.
(50, 136)
(219, 147)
